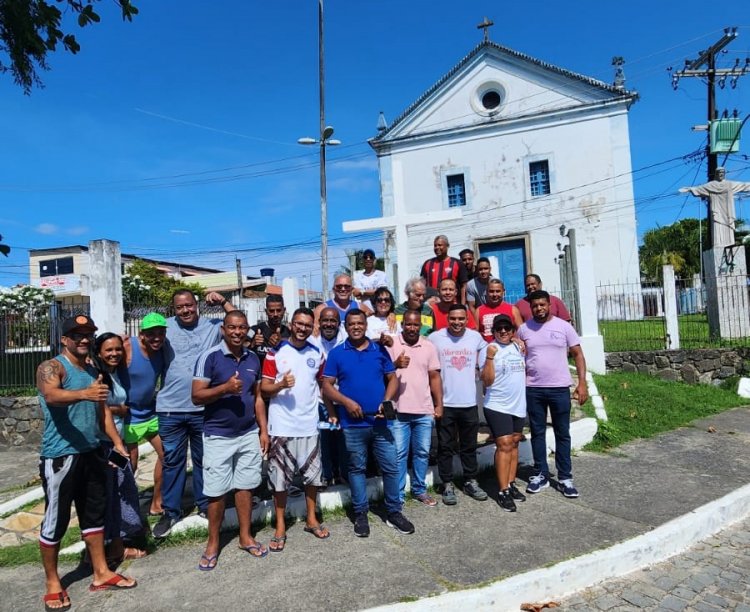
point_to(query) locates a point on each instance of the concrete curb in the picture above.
(568, 577)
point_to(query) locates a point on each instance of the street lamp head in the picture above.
(307, 141)
(327, 132)
(333, 141)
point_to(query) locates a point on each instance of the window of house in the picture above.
(456, 190)
(539, 177)
(56, 267)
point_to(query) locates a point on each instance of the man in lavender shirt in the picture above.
(548, 339)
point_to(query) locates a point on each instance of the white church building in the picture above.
(504, 155)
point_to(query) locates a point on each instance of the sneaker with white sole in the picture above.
(400, 523)
(515, 493)
(537, 483)
(473, 490)
(567, 488)
(163, 528)
(361, 525)
(505, 501)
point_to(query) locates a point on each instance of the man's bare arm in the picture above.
(49, 378)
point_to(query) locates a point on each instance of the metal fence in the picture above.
(634, 316)
(28, 337)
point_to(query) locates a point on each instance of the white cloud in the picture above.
(47, 228)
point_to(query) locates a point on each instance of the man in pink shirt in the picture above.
(533, 282)
(420, 400)
(548, 339)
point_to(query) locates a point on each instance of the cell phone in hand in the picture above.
(117, 459)
(389, 410)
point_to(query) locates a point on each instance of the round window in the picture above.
(491, 100)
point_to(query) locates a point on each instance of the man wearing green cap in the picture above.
(146, 364)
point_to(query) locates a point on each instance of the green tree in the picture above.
(678, 244)
(143, 284)
(30, 29)
(4, 248)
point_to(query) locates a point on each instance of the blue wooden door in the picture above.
(511, 258)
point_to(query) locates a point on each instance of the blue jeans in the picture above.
(412, 431)
(358, 440)
(538, 399)
(175, 430)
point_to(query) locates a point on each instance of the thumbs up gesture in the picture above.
(491, 351)
(287, 380)
(234, 384)
(97, 391)
(402, 361)
(275, 338)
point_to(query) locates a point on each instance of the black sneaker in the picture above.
(473, 490)
(400, 523)
(361, 525)
(505, 501)
(515, 493)
(163, 528)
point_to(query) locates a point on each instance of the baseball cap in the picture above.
(502, 319)
(80, 321)
(153, 319)
(367, 252)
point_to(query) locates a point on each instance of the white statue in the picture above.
(720, 194)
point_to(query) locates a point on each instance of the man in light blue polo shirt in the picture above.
(227, 382)
(366, 377)
(181, 421)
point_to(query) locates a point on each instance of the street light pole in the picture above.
(324, 139)
(323, 190)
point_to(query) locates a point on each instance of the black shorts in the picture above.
(502, 424)
(73, 479)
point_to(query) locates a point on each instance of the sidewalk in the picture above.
(642, 486)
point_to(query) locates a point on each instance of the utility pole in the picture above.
(704, 66)
(238, 265)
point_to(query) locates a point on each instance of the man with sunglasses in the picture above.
(72, 463)
(369, 279)
(342, 299)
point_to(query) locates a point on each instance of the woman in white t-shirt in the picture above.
(504, 378)
(382, 319)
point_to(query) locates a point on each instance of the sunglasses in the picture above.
(504, 328)
(342, 287)
(383, 300)
(78, 336)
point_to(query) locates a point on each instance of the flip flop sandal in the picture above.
(257, 551)
(318, 532)
(112, 584)
(211, 562)
(133, 553)
(61, 597)
(280, 542)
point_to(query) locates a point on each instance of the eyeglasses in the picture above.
(504, 328)
(342, 287)
(383, 300)
(78, 336)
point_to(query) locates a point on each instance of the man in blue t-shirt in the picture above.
(366, 377)
(235, 434)
(181, 421)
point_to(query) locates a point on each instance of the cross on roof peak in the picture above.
(486, 25)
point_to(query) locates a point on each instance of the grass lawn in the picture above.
(648, 334)
(641, 406)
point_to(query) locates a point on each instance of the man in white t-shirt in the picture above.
(458, 349)
(548, 341)
(368, 280)
(290, 379)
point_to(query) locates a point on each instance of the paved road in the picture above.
(711, 576)
(625, 494)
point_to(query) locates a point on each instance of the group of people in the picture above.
(315, 397)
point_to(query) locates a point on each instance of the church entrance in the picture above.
(511, 265)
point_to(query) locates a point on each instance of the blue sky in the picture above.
(176, 134)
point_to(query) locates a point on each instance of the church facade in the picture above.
(505, 154)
